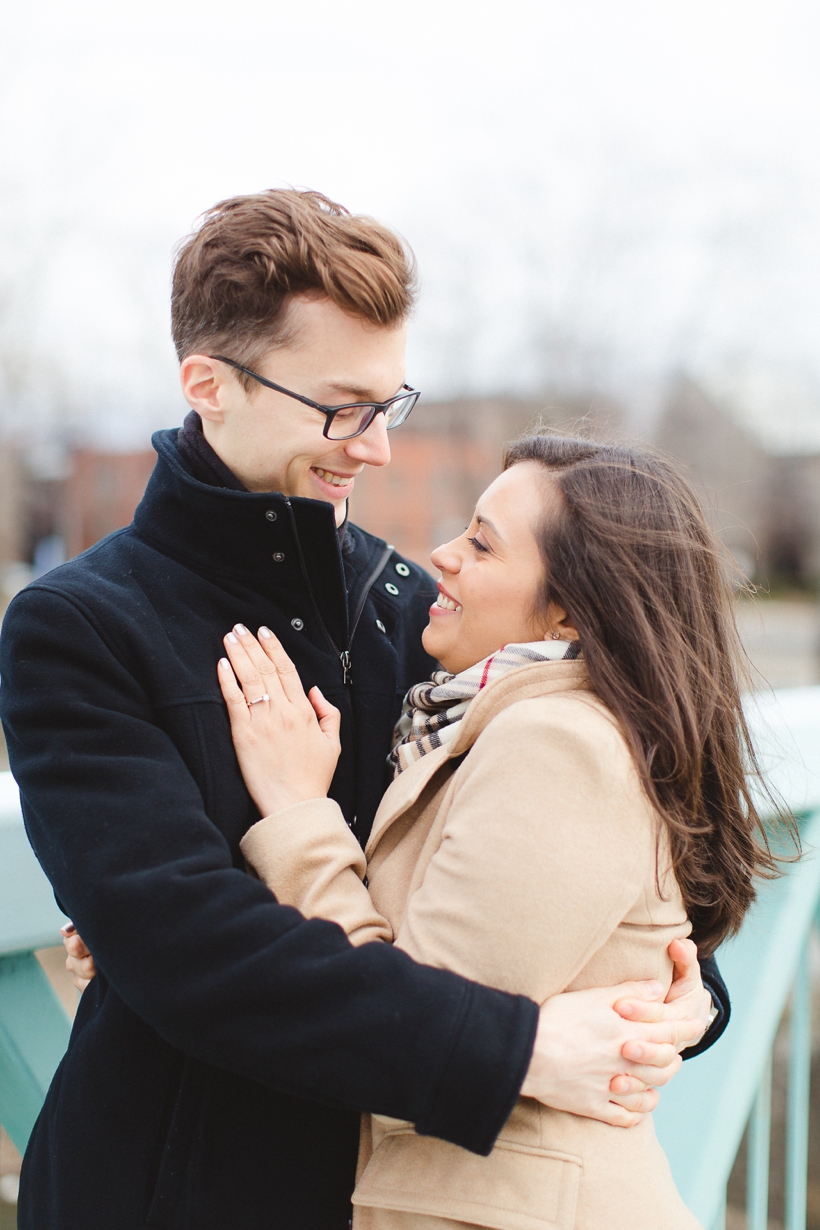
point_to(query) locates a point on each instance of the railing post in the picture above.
(797, 1124)
(757, 1154)
(34, 1031)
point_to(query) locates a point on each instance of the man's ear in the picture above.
(206, 386)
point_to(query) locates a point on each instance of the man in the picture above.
(222, 1025)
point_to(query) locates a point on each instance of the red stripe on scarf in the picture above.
(486, 672)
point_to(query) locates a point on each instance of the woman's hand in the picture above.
(287, 743)
(79, 961)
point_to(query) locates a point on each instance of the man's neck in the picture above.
(203, 462)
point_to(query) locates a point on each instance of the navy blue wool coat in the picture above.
(218, 1062)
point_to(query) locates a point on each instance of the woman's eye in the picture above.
(476, 545)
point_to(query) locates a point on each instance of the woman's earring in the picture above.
(555, 636)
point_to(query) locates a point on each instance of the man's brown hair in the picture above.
(234, 275)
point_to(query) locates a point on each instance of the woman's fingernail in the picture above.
(230, 637)
(68, 929)
(265, 634)
(225, 664)
(240, 629)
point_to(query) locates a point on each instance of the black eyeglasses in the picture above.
(345, 422)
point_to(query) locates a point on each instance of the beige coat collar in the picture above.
(521, 683)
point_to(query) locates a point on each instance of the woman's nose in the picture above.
(446, 558)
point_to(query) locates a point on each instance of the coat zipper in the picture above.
(342, 654)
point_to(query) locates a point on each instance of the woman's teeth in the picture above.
(328, 476)
(447, 604)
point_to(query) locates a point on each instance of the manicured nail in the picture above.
(225, 664)
(265, 634)
(230, 637)
(68, 929)
(240, 629)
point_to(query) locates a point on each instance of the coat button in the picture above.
(270, 514)
(402, 570)
(298, 624)
(391, 588)
(380, 626)
(278, 556)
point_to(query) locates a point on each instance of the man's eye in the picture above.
(351, 413)
(476, 545)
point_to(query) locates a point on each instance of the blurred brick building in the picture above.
(444, 457)
(47, 518)
(101, 493)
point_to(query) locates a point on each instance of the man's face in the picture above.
(272, 442)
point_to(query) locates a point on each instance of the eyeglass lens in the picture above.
(354, 420)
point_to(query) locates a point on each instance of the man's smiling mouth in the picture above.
(335, 480)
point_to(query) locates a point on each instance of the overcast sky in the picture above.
(599, 192)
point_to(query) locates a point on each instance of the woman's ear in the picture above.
(559, 624)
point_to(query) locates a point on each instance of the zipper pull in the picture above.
(344, 658)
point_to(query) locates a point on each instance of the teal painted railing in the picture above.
(704, 1112)
(34, 1026)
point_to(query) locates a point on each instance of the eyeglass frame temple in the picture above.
(329, 412)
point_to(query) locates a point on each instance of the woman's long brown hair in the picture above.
(632, 559)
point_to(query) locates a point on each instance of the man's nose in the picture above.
(372, 446)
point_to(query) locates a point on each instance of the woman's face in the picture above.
(492, 574)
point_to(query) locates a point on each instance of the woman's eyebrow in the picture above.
(482, 520)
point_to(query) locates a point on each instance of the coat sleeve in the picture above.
(541, 855)
(197, 948)
(713, 981)
(309, 859)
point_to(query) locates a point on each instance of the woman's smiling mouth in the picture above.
(444, 602)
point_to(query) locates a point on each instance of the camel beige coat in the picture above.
(534, 864)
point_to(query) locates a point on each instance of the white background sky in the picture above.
(599, 192)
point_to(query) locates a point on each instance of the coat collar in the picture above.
(521, 683)
(248, 536)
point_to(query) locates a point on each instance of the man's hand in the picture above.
(79, 961)
(603, 1053)
(686, 1011)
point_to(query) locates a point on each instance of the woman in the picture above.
(569, 797)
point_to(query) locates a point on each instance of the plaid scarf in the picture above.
(432, 710)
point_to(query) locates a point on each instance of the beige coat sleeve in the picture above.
(309, 859)
(544, 849)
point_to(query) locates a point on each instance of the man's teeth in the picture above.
(447, 604)
(328, 476)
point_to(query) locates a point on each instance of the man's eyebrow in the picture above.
(354, 392)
